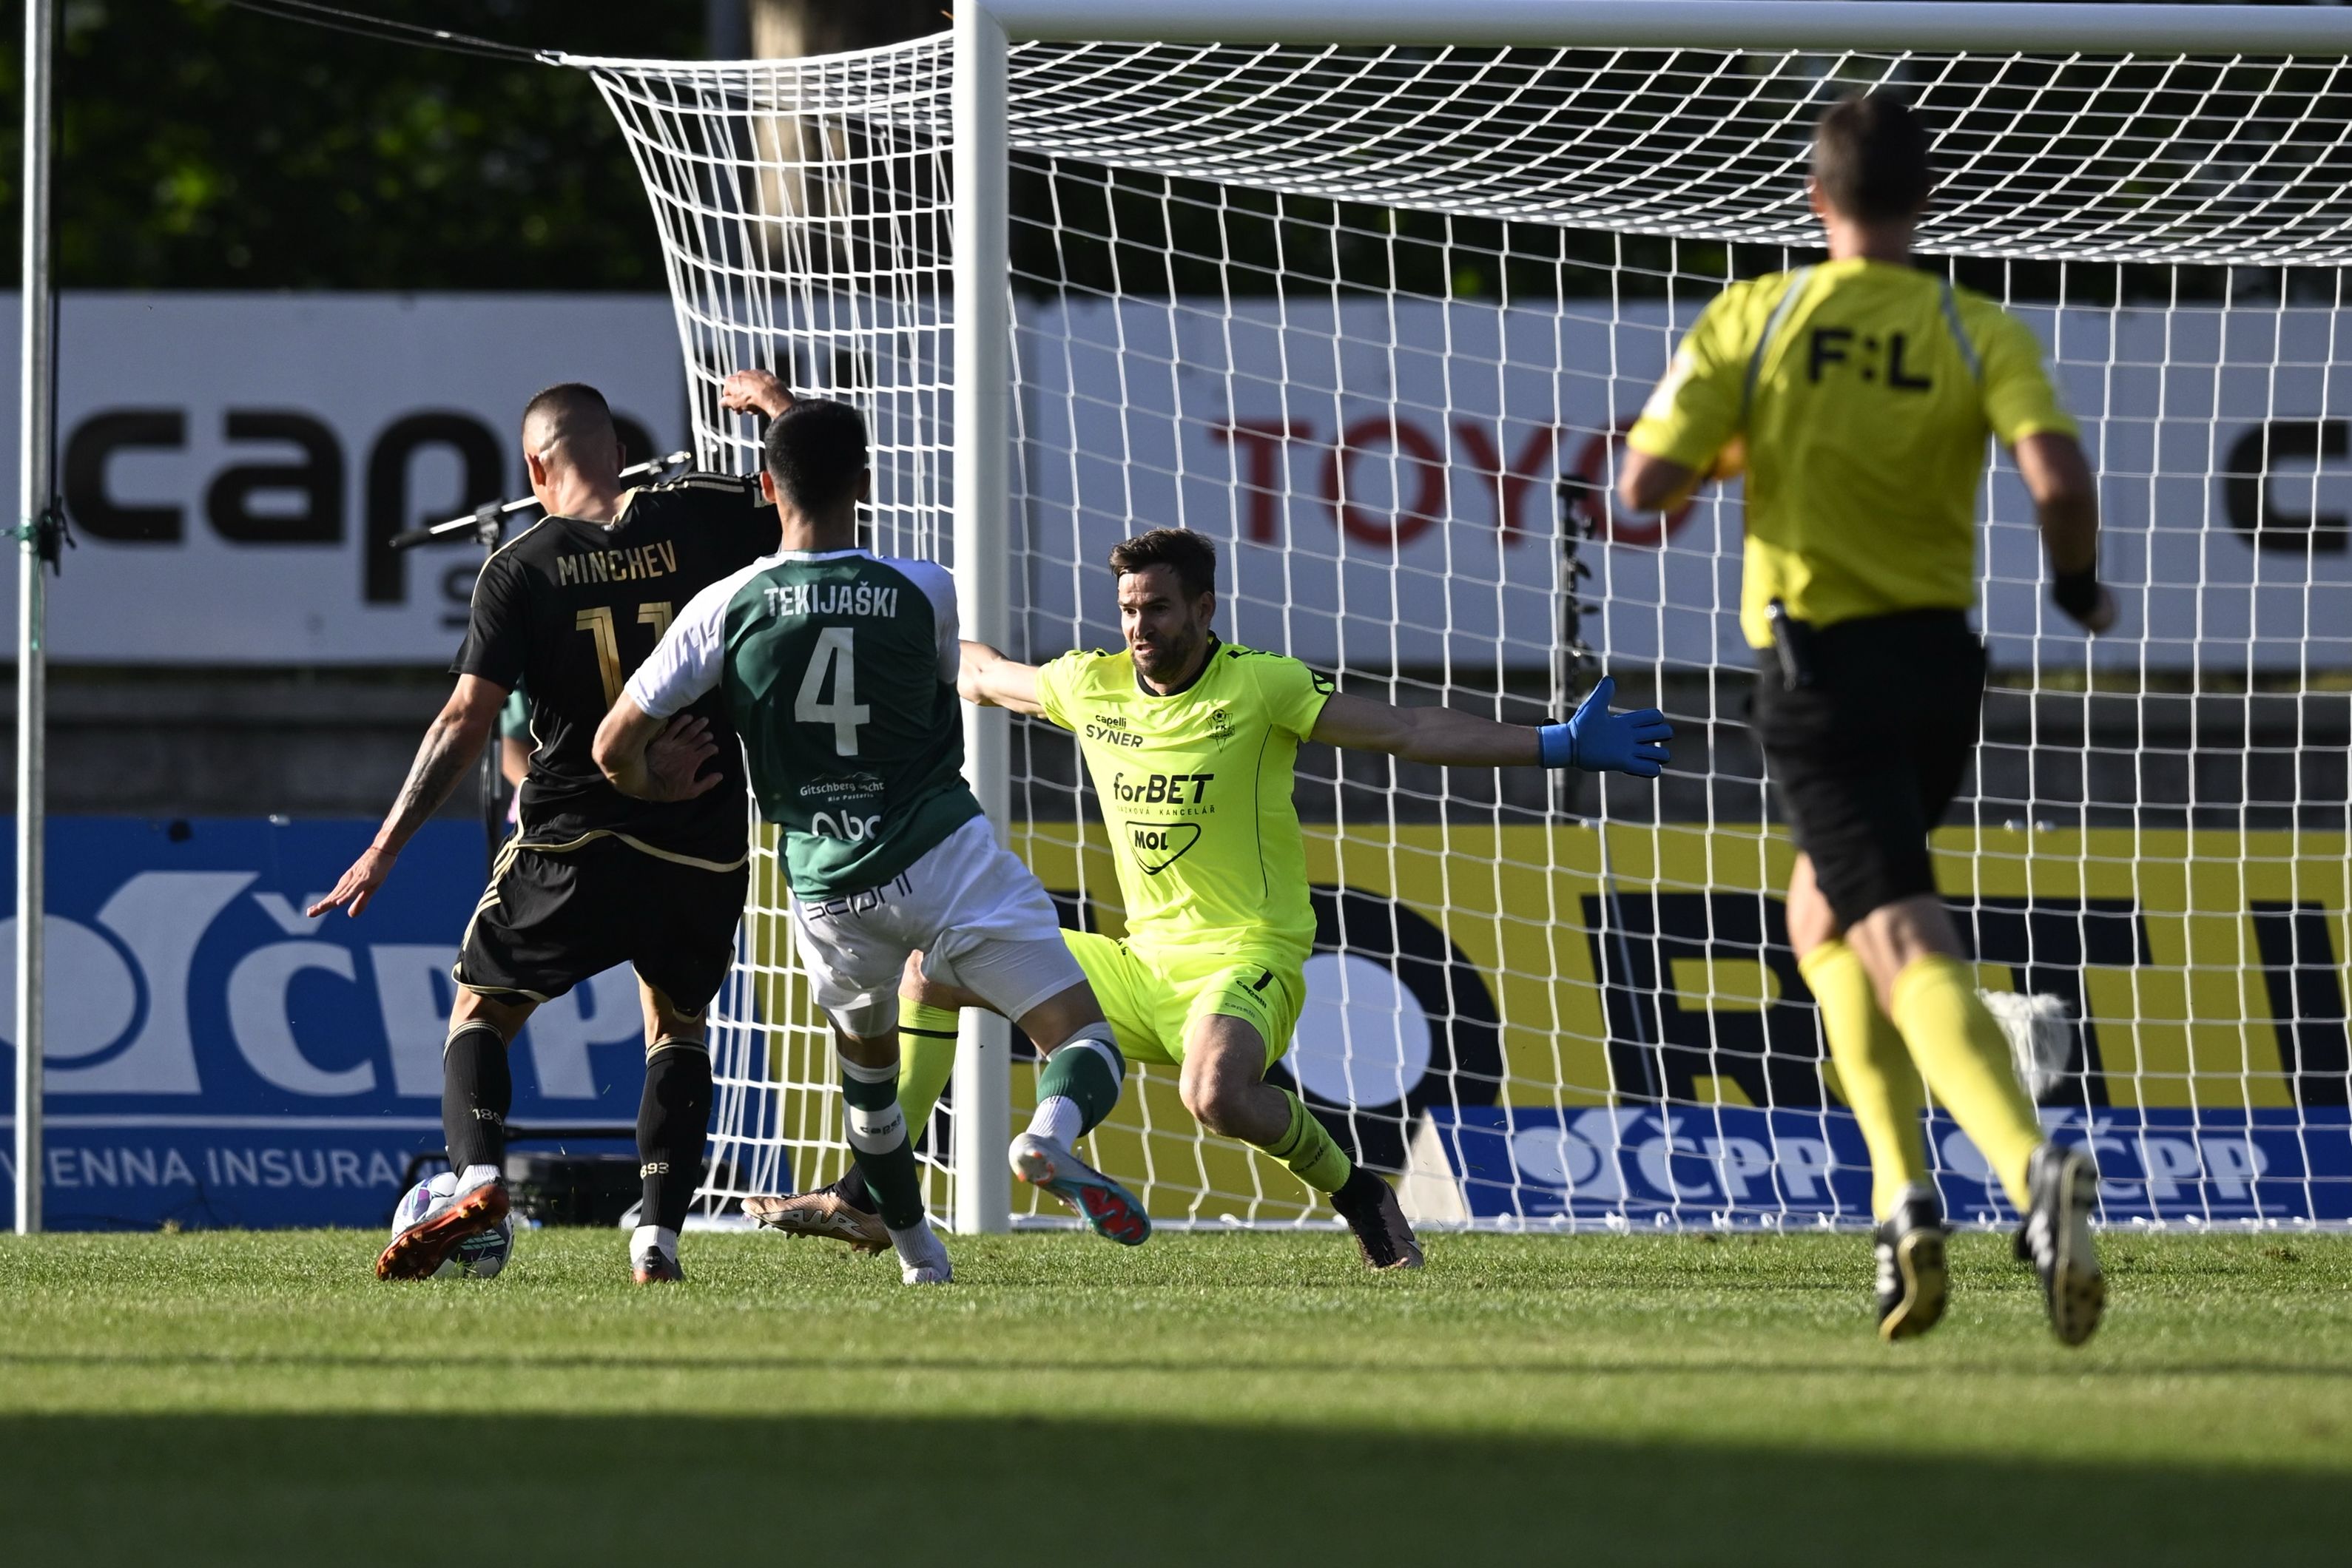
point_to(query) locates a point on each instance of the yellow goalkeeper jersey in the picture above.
(1866, 391)
(1195, 787)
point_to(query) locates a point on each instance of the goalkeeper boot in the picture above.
(1911, 1279)
(2056, 1239)
(842, 1212)
(1109, 1210)
(477, 1204)
(1369, 1206)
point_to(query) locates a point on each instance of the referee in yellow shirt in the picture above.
(1857, 395)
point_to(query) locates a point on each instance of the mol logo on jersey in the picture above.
(1159, 845)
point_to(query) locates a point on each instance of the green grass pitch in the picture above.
(1209, 1398)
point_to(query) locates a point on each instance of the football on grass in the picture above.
(479, 1256)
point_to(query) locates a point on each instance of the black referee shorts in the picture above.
(550, 920)
(1869, 756)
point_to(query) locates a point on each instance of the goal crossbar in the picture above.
(1826, 25)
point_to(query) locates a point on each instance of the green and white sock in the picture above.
(877, 1141)
(1078, 1085)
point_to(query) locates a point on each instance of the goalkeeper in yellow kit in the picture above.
(1190, 743)
(1861, 392)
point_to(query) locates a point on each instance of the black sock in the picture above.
(672, 1120)
(476, 1092)
(851, 1188)
(1360, 1194)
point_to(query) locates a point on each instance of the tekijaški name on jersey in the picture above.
(1866, 391)
(565, 610)
(1196, 787)
(839, 670)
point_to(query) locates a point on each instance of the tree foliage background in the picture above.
(201, 146)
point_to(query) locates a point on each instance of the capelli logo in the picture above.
(301, 496)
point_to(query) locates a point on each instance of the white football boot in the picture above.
(478, 1202)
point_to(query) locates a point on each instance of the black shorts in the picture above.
(550, 920)
(1869, 756)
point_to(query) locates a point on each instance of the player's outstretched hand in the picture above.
(358, 884)
(748, 391)
(1606, 742)
(675, 758)
(2099, 616)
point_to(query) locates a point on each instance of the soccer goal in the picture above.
(1368, 292)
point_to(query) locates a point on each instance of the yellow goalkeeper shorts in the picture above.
(1151, 995)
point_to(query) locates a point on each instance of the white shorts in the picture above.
(979, 918)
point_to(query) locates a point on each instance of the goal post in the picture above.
(983, 554)
(1367, 292)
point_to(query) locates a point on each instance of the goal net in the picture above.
(1375, 318)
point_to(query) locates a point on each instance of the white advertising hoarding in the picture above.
(234, 463)
(1387, 478)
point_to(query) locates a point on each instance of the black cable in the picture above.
(384, 30)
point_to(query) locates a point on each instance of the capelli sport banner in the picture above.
(1549, 1025)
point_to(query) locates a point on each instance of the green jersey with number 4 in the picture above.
(839, 671)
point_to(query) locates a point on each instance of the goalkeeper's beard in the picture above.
(1170, 655)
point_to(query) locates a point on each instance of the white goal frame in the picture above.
(982, 273)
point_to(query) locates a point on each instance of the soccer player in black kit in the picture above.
(590, 877)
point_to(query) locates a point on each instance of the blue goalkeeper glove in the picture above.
(1605, 742)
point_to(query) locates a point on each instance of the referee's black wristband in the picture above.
(2076, 592)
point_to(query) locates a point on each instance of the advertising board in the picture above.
(1555, 1021)
(215, 1057)
(1568, 1022)
(1391, 477)
(235, 464)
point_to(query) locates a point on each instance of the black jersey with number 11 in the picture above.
(569, 609)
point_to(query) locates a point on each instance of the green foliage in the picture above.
(205, 147)
(225, 1396)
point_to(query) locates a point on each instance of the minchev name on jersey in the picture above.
(1196, 786)
(838, 670)
(567, 609)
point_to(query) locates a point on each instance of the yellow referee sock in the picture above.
(926, 1054)
(1964, 1057)
(1882, 1087)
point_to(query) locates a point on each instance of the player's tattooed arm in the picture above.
(655, 759)
(990, 679)
(452, 745)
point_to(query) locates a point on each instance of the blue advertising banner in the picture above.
(1740, 1165)
(216, 1058)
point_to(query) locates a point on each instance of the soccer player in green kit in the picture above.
(836, 668)
(1190, 742)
